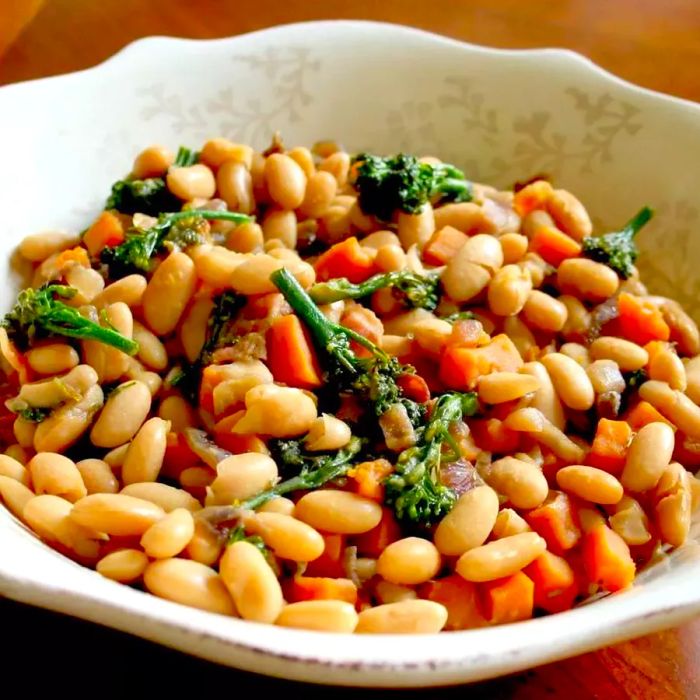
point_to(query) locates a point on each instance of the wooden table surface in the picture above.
(653, 43)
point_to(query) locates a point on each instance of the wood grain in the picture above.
(655, 44)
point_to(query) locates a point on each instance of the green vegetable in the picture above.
(150, 196)
(414, 489)
(226, 308)
(136, 252)
(312, 470)
(459, 316)
(618, 250)
(373, 379)
(237, 534)
(34, 415)
(402, 183)
(39, 313)
(414, 290)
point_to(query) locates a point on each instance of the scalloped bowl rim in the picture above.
(388, 660)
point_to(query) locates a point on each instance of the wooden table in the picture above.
(655, 44)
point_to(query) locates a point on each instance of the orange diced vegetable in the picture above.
(640, 320)
(178, 455)
(609, 448)
(345, 259)
(367, 478)
(468, 333)
(644, 413)
(553, 245)
(555, 583)
(444, 245)
(492, 436)
(555, 520)
(330, 564)
(364, 322)
(509, 599)
(532, 196)
(460, 597)
(225, 438)
(374, 542)
(77, 255)
(322, 588)
(290, 354)
(413, 387)
(607, 559)
(212, 376)
(106, 231)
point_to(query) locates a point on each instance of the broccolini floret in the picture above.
(414, 489)
(40, 313)
(618, 250)
(414, 290)
(402, 183)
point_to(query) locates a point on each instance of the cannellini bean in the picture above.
(152, 162)
(684, 331)
(122, 416)
(24, 431)
(468, 217)
(674, 405)
(241, 476)
(235, 186)
(387, 592)
(124, 565)
(14, 469)
(164, 496)
(151, 351)
(432, 334)
(116, 513)
(278, 504)
(47, 515)
(587, 279)
(628, 355)
(500, 387)
(191, 182)
(328, 433)
(514, 247)
(338, 165)
(67, 423)
(522, 483)
(251, 582)
(320, 616)
(338, 512)
(88, 283)
(175, 410)
(500, 558)
(303, 158)
(590, 484)
(193, 329)
(285, 180)
(97, 476)
(673, 506)
(252, 276)
(129, 290)
(578, 318)
(509, 290)
(577, 352)
(570, 381)
(218, 151)
(537, 267)
(630, 522)
(666, 366)
(569, 214)
(51, 392)
(509, 523)
(416, 229)
(52, 359)
(404, 617)
(544, 311)
(39, 246)
(521, 336)
(605, 376)
(206, 543)
(280, 225)
(469, 522)
(648, 457)
(484, 250)
(288, 537)
(15, 495)
(462, 279)
(241, 376)
(144, 458)
(546, 398)
(409, 561)
(245, 238)
(276, 411)
(188, 583)
(321, 188)
(170, 535)
(55, 474)
(692, 373)
(168, 292)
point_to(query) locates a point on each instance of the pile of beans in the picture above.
(550, 508)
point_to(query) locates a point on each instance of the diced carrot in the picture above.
(265, 305)
(553, 245)
(607, 559)
(364, 322)
(106, 231)
(492, 436)
(460, 597)
(444, 245)
(609, 448)
(212, 376)
(555, 583)
(322, 588)
(413, 387)
(345, 259)
(468, 333)
(555, 520)
(290, 354)
(374, 542)
(367, 478)
(77, 255)
(532, 196)
(640, 320)
(509, 599)
(225, 438)
(643, 413)
(330, 563)
(460, 368)
(178, 456)
(687, 451)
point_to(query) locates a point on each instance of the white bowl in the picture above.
(503, 116)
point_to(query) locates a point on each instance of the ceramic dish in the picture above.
(502, 116)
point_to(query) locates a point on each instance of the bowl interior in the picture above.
(502, 116)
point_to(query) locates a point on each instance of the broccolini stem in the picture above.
(235, 216)
(641, 218)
